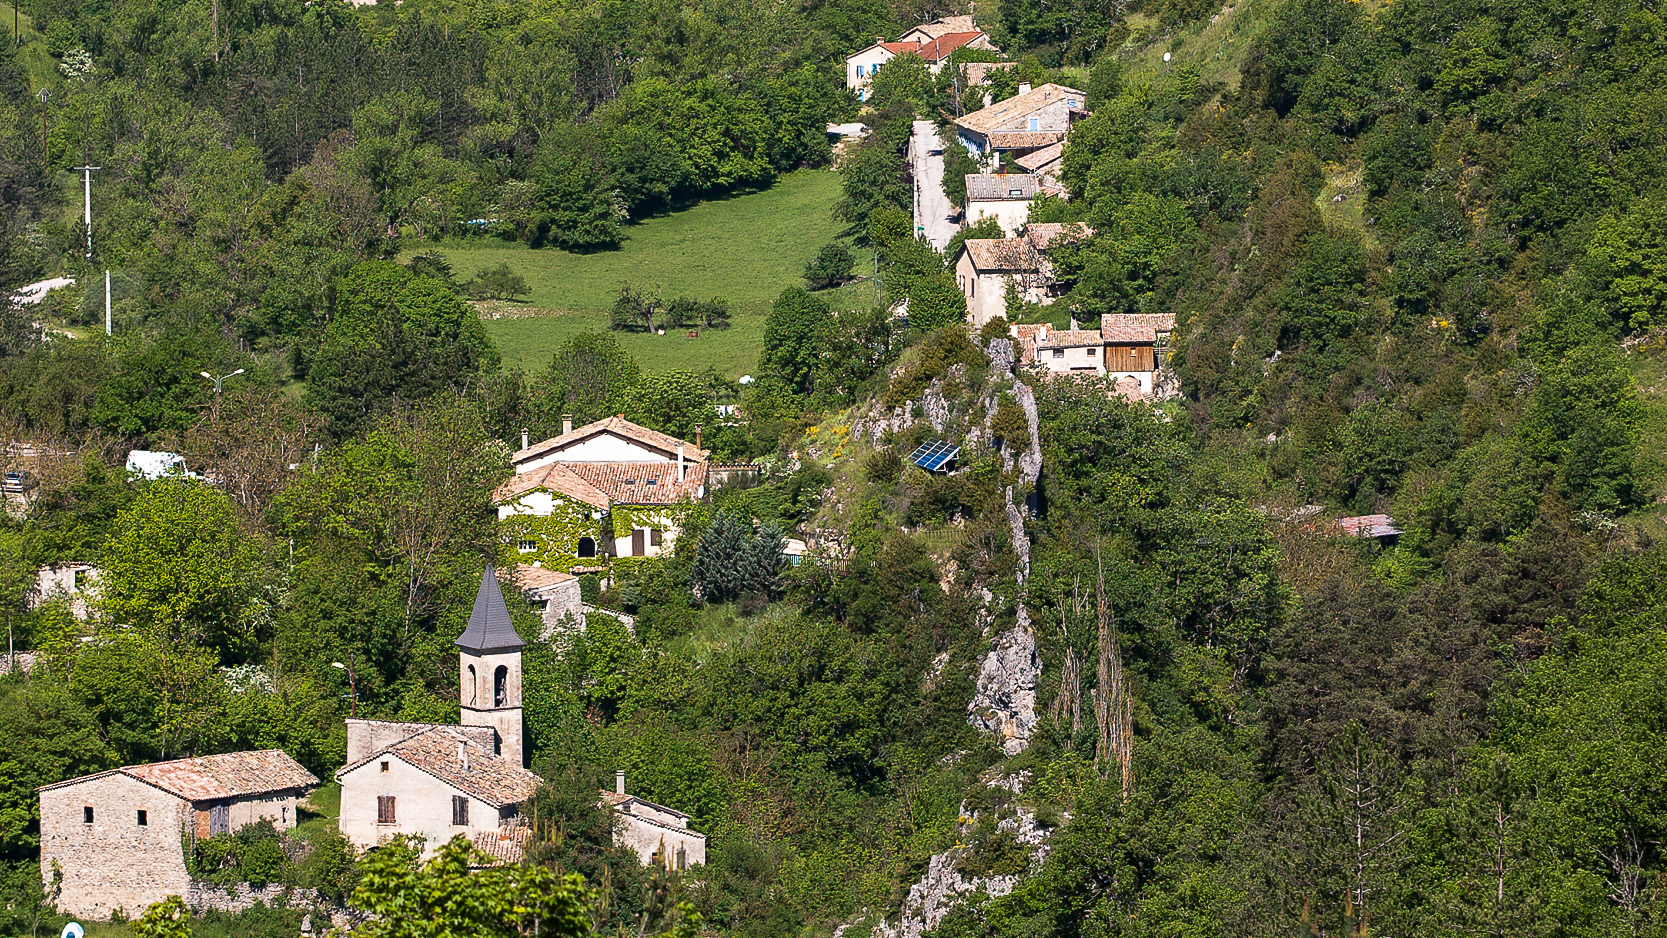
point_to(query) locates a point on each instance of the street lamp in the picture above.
(220, 379)
(353, 697)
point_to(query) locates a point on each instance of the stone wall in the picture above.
(211, 897)
(113, 862)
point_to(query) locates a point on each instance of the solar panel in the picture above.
(934, 455)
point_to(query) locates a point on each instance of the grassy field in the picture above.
(39, 69)
(745, 250)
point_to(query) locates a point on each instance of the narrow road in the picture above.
(932, 207)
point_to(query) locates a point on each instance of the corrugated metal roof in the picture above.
(991, 187)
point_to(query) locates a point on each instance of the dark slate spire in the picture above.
(489, 626)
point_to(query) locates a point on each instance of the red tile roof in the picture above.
(939, 49)
(999, 254)
(1069, 338)
(993, 118)
(900, 48)
(1024, 139)
(531, 578)
(642, 483)
(212, 778)
(505, 846)
(1369, 526)
(489, 777)
(558, 478)
(1040, 158)
(1042, 235)
(1135, 328)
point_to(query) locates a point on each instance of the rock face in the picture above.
(1004, 703)
(943, 886)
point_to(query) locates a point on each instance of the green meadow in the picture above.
(745, 250)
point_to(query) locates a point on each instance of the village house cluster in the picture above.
(118, 841)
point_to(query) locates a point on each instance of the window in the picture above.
(651, 482)
(587, 547)
(527, 546)
(1035, 124)
(1089, 352)
(385, 765)
(682, 858)
(219, 820)
(654, 537)
(859, 71)
(1071, 103)
(143, 822)
(385, 809)
(474, 694)
(87, 814)
(1058, 353)
(500, 687)
(459, 811)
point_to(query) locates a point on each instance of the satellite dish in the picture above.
(1166, 56)
(74, 930)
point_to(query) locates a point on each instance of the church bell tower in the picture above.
(489, 669)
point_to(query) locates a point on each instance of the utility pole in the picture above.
(87, 175)
(43, 94)
(107, 301)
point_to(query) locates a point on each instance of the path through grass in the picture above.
(745, 250)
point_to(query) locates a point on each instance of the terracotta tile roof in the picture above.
(505, 846)
(618, 426)
(211, 778)
(556, 477)
(642, 483)
(1369, 526)
(1000, 114)
(999, 254)
(491, 778)
(533, 579)
(991, 187)
(623, 803)
(1024, 139)
(1042, 235)
(900, 48)
(1040, 158)
(1135, 328)
(940, 47)
(948, 24)
(1069, 338)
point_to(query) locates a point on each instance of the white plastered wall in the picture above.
(422, 805)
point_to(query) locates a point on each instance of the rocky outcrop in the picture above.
(944, 885)
(1004, 703)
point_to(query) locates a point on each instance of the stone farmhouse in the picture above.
(437, 781)
(932, 42)
(1002, 196)
(554, 594)
(1033, 119)
(116, 840)
(607, 489)
(658, 833)
(985, 267)
(75, 582)
(1129, 349)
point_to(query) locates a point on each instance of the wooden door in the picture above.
(637, 548)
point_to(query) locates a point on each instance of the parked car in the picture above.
(19, 481)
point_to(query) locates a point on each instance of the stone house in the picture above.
(553, 594)
(1002, 196)
(76, 582)
(1129, 349)
(660, 835)
(435, 784)
(1137, 345)
(984, 267)
(437, 781)
(932, 42)
(116, 840)
(1045, 164)
(607, 489)
(1033, 119)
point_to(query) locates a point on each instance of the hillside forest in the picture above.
(1417, 258)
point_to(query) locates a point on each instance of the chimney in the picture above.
(619, 782)
(697, 438)
(523, 437)
(682, 470)
(1042, 334)
(1024, 87)
(566, 424)
(463, 756)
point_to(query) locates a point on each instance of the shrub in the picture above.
(830, 267)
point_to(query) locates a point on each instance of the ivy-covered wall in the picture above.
(555, 537)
